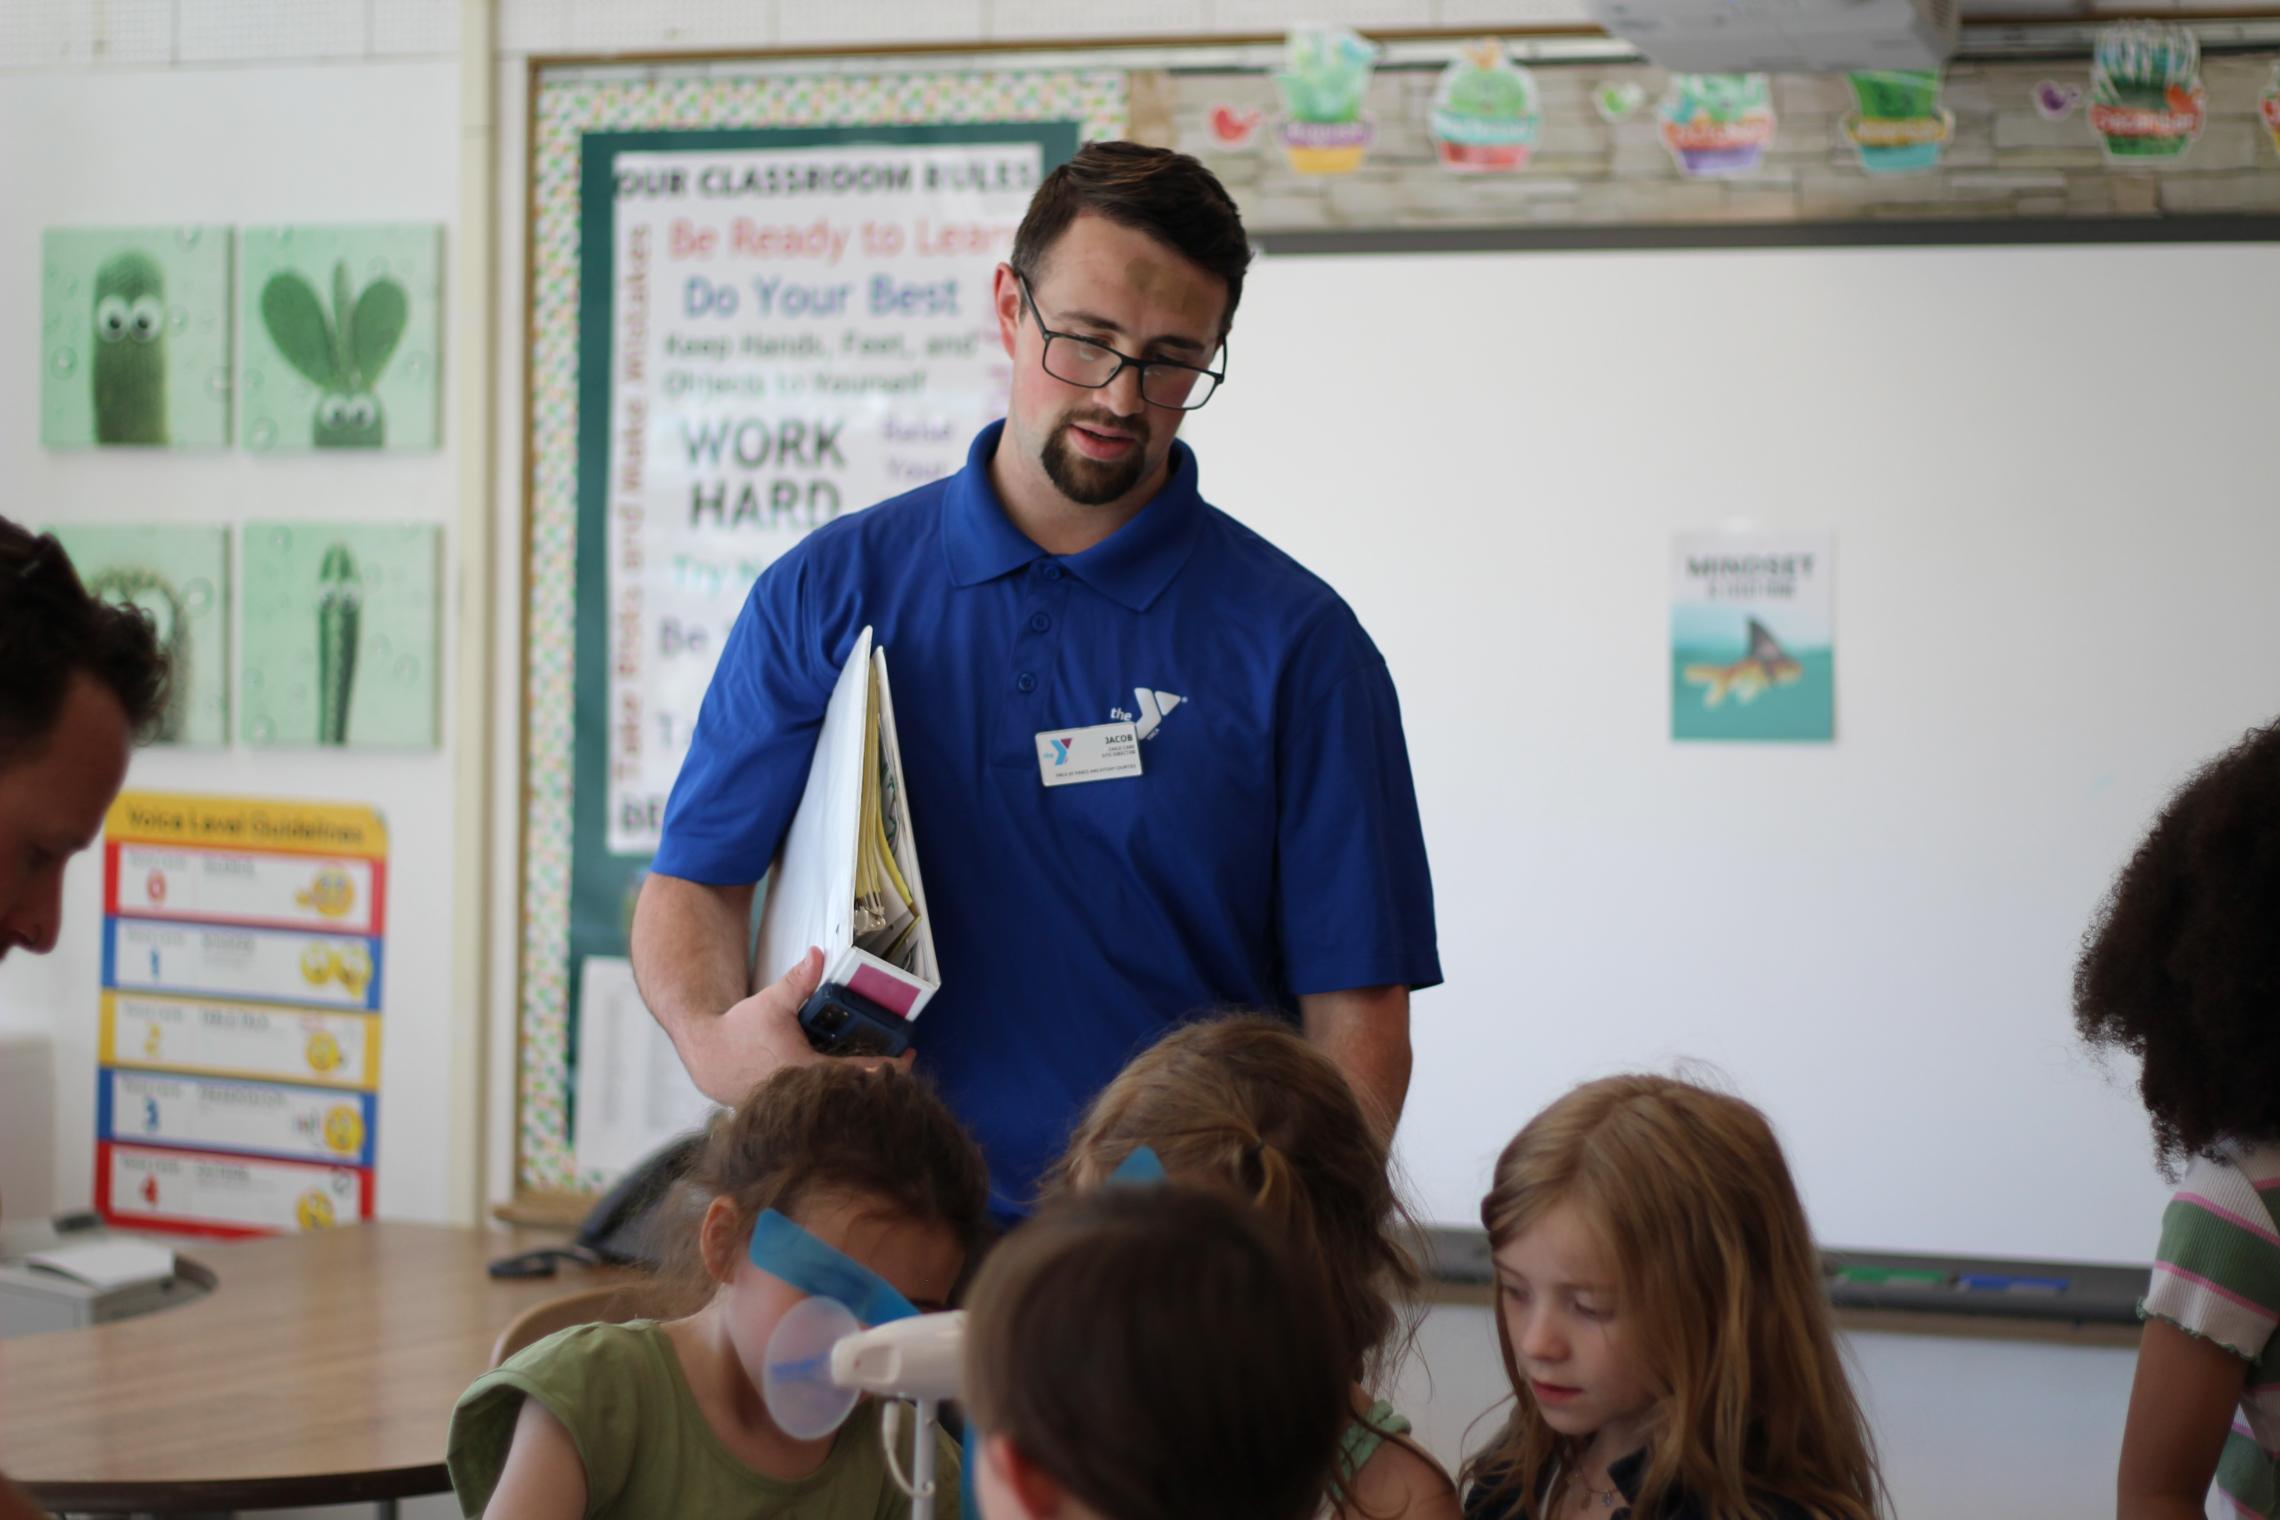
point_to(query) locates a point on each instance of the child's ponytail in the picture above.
(1245, 1103)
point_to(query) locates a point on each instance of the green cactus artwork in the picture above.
(1486, 112)
(178, 577)
(2146, 95)
(1325, 74)
(342, 352)
(135, 337)
(129, 368)
(1896, 94)
(1717, 124)
(1325, 80)
(1900, 128)
(342, 337)
(341, 635)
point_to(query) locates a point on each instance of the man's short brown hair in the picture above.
(51, 630)
(1169, 196)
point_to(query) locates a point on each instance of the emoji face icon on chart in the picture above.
(313, 1211)
(344, 1129)
(353, 965)
(323, 1052)
(317, 964)
(331, 895)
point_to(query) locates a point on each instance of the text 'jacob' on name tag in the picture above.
(1066, 756)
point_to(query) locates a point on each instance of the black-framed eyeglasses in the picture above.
(1081, 361)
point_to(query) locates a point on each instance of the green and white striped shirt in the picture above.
(2217, 1276)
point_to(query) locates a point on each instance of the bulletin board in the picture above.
(2006, 171)
(805, 183)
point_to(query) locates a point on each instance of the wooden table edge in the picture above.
(282, 1492)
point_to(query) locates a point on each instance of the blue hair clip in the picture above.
(1143, 1168)
(784, 1250)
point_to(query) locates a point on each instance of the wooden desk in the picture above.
(321, 1370)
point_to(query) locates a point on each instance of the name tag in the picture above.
(1066, 756)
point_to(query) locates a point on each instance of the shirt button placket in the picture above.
(1034, 649)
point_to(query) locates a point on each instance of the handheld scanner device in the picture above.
(842, 1022)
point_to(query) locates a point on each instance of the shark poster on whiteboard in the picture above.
(1752, 642)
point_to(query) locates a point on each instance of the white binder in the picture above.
(816, 892)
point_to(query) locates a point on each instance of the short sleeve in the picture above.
(589, 1378)
(755, 737)
(1354, 897)
(2216, 1274)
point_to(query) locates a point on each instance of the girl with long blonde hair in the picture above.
(1663, 1320)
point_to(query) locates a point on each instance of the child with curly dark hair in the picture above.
(2182, 970)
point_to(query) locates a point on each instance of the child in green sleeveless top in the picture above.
(1245, 1103)
(2182, 971)
(1150, 1353)
(664, 1416)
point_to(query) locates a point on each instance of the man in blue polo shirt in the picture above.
(1266, 853)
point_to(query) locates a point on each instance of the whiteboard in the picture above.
(2049, 473)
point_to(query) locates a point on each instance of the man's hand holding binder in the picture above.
(847, 881)
(762, 1033)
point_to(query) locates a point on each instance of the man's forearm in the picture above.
(1365, 1030)
(690, 956)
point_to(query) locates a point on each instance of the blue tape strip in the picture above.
(1143, 1168)
(784, 1250)
(967, 1504)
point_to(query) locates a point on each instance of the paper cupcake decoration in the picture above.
(1324, 79)
(1900, 127)
(2270, 106)
(1486, 113)
(1717, 124)
(2146, 98)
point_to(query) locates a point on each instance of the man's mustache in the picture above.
(1135, 428)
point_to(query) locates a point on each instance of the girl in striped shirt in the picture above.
(2182, 970)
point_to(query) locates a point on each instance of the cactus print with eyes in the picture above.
(342, 353)
(129, 371)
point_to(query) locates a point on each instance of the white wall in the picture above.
(356, 142)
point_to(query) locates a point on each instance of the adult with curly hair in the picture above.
(2182, 970)
(79, 679)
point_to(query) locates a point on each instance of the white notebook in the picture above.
(848, 877)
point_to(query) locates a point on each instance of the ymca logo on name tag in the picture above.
(1066, 756)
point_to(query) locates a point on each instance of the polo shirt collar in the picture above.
(1132, 566)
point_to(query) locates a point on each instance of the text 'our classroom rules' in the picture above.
(796, 333)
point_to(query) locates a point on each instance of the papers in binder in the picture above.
(848, 878)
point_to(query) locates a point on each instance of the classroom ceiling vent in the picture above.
(1783, 36)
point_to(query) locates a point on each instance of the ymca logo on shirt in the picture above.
(1153, 707)
(1060, 750)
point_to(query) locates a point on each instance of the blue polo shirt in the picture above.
(1269, 848)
